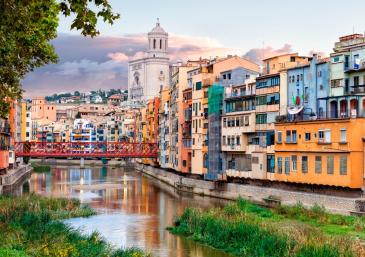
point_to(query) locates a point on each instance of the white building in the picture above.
(148, 75)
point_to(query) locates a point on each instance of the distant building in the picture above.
(41, 109)
(115, 99)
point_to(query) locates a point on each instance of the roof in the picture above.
(115, 96)
(280, 55)
(158, 29)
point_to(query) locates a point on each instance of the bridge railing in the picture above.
(92, 149)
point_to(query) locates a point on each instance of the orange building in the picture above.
(41, 109)
(321, 152)
(4, 144)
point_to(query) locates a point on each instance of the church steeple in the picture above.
(157, 41)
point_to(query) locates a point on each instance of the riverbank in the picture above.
(246, 229)
(13, 177)
(258, 194)
(31, 226)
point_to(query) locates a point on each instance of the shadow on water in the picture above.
(133, 209)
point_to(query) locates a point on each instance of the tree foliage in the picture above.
(26, 29)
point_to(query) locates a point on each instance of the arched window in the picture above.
(160, 43)
(154, 43)
(165, 44)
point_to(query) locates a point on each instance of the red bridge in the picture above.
(86, 149)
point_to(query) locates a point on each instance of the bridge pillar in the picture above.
(82, 162)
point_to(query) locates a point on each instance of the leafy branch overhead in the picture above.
(26, 29)
(86, 19)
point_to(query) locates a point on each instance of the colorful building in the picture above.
(321, 152)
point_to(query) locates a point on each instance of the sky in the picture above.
(252, 29)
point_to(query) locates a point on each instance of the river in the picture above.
(132, 209)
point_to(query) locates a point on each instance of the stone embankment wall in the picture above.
(231, 191)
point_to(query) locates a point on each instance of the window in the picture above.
(280, 165)
(224, 122)
(287, 165)
(224, 140)
(292, 58)
(198, 85)
(330, 164)
(291, 136)
(184, 163)
(301, 77)
(305, 164)
(279, 140)
(307, 136)
(306, 94)
(319, 74)
(336, 82)
(343, 165)
(324, 136)
(342, 135)
(238, 139)
(336, 59)
(318, 164)
(294, 162)
(205, 161)
(270, 163)
(224, 76)
(229, 75)
(261, 118)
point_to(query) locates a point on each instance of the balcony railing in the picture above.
(354, 66)
(240, 94)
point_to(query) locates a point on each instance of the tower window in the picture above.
(160, 43)
(154, 44)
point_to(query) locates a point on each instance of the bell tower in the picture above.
(157, 41)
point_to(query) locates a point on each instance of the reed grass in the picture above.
(32, 225)
(246, 229)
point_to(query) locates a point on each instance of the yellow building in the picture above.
(321, 152)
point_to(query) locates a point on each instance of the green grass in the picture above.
(31, 226)
(246, 229)
(38, 168)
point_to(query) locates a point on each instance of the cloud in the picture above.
(258, 54)
(102, 62)
(119, 57)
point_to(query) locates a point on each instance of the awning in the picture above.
(295, 109)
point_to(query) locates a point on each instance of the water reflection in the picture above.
(134, 210)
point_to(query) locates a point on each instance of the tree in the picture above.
(78, 115)
(26, 28)
(77, 93)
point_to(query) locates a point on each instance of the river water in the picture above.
(133, 209)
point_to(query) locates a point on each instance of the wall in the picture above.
(232, 191)
(353, 148)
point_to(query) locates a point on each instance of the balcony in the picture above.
(247, 93)
(4, 127)
(234, 148)
(354, 66)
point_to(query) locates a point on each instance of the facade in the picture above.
(148, 75)
(4, 144)
(185, 124)
(41, 109)
(164, 128)
(347, 78)
(307, 84)
(202, 78)
(321, 152)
